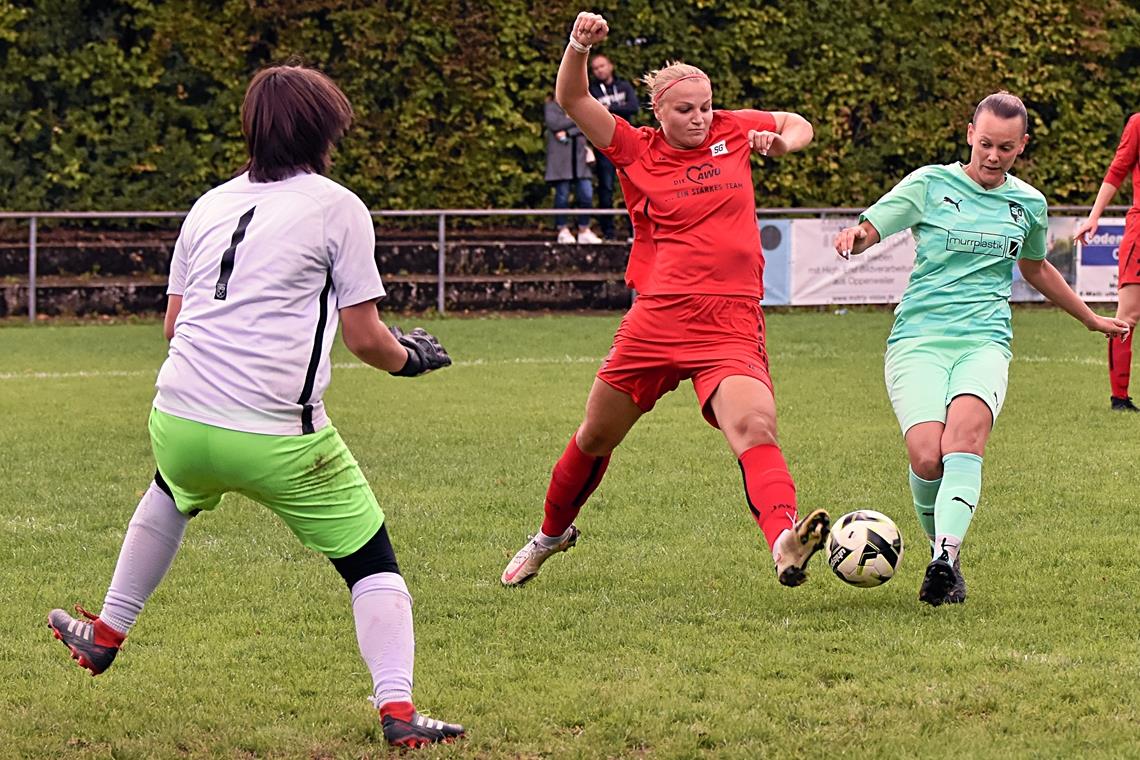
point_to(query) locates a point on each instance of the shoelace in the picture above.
(85, 613)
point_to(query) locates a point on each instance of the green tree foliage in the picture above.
(134, 103)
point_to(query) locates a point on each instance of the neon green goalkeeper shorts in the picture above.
(925, 374)
(312, 482)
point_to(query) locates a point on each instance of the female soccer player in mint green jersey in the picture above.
(948, 353)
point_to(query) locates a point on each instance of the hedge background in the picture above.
(134, 104)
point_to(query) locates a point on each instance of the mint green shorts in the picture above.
(925, 374)
(312, 482)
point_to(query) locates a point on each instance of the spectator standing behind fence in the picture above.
(620, 98)
(568, 159)
(1127, 159)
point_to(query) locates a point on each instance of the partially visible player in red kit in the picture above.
(697, 267)
(1127, 160)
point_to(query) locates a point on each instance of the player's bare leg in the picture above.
(610, 414)
(746, 412)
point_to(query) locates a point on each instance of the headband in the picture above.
(657, 95)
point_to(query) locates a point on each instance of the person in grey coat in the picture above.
(568, 160)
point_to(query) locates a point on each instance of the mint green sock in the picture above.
(924, 493)
(956, 502)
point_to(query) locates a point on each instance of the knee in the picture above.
(752, 429)
(375, 557)
(967, 441)
(927, 463)
(596, 442)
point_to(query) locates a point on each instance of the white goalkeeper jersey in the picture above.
(262, 268)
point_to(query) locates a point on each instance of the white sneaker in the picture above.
(796, 546)
(525, 564)
(566, 236)
(587, 236)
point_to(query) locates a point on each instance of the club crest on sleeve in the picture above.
(719, 149)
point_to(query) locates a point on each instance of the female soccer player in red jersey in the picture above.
(697, 267)
(1127, 160)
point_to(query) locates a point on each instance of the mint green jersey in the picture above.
(967, 240)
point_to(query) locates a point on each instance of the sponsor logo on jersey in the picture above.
(984, 243)
(701, 173)
(719, 149)
(956, 204)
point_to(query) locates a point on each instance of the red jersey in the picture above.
(1125, 161)
(693, 211)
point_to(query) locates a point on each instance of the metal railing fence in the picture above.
(442, 215)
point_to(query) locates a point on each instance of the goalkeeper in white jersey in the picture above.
(265, 267)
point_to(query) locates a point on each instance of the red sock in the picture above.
(575, 477)
(106, 636)
(1119, 365)
(398, 710)
(769, 488)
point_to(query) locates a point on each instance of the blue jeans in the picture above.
(583, 198)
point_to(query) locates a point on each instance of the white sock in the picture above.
(778, 543)
(948, 546)
(549, 542)
(382, 608)
(153, 537)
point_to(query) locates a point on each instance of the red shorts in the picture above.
(1128, 271)
(666, 339)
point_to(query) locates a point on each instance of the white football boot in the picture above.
(795, 547)
(525, 564)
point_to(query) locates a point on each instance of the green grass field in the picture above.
(663, 634)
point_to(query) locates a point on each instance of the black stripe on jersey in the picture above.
(314, 360)
(222, 288)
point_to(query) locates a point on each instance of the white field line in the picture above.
(555, 360)
(96, 373)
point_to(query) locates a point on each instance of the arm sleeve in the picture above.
(180, 260)
(1125, 158)
(628, 142)
(351, 240)
(761, 121)
(1037, 241)
(901, 208)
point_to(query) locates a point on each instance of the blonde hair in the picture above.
(659, 80)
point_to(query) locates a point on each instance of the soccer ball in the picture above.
(865, 548)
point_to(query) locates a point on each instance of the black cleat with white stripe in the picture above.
(419, 731)
(81, 638)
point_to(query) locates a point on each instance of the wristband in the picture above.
(412, 367)
(578, 46)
